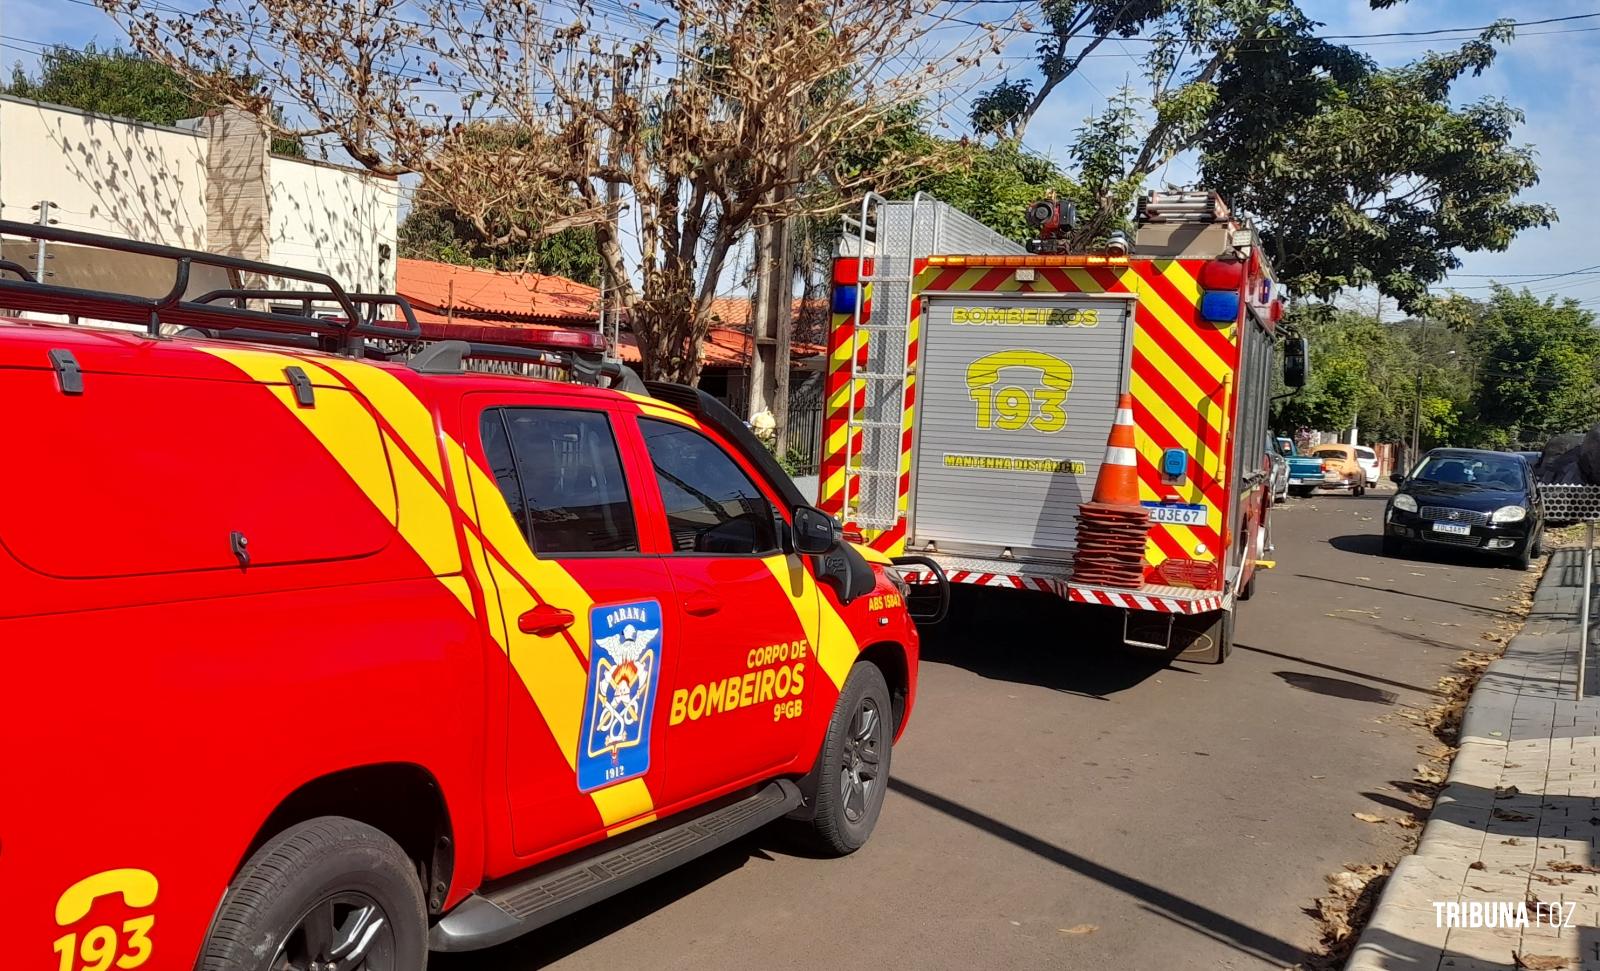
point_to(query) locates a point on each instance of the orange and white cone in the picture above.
(1112, 526)
(1118, 483)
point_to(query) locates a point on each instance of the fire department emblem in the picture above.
(624, 660)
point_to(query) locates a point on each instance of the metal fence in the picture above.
(1577, 504)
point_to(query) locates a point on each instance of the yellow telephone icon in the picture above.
(100, 948)
(137, 887)
(1013, 408)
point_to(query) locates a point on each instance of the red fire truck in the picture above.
(972, 384)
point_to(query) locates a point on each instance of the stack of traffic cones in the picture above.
(1113, 526)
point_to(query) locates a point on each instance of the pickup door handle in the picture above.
(544, 621)
(701, 604)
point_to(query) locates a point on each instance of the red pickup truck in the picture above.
(320, 658)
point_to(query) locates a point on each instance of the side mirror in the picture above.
(814, 532)
(1296, 362)
(1397, 477)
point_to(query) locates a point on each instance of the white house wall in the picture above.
(336, 220)
(105, 175)
(148, 182)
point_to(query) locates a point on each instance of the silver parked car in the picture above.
(1278, 467)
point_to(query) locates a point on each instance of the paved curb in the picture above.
(1402, 932)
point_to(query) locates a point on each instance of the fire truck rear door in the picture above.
(1017, 396)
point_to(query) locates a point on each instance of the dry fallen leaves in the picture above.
(1540, 962)
(1429, 773)
(1077, 930)
(1567, 866)
(1368, 817)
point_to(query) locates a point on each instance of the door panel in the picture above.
(589, 623)
(741, 675)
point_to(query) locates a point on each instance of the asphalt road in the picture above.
(1172, 818)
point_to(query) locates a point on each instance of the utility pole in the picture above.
(43, 208)
(772, 322)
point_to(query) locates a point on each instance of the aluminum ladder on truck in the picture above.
(888, 239)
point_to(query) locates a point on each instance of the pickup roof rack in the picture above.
(329, 318)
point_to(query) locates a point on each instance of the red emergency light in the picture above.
(847, 270)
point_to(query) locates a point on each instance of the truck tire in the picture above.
(329, 890)
(1206, 638)
(853, 766)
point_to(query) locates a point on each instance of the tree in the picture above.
(1360, 176)
(1364, 177)
(1537, 363)
(705, 118)
(1006, 109)
(118, 82)
(432, 231)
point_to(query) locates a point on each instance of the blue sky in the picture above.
(1553, 76)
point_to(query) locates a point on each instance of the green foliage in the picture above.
(431, 232)
(1508, 371)
(994, 183)
(117, 82)
(1367, 177)
(1538, 367)
(1371, 373)
(108, 82)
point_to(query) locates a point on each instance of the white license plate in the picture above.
(1179, 515)
(1456, 528)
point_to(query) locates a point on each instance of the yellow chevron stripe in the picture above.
(831, 640)
(1083, 280)
(1184, 331)
(549, 671)
(552, 676)
(1176, 427)
(390, 479)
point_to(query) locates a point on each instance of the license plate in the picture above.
(1297, 481)
(1456, 528)
(1176, 514)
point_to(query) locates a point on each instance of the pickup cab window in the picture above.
(711, 505)
(560, 473)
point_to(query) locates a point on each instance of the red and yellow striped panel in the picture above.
(1181, 378)
(847, 338)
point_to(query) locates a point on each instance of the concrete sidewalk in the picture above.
(1518, 821)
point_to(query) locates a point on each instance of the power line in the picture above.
(1290, 38)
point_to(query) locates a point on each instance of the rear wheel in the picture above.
(330, 894)
(853, 767)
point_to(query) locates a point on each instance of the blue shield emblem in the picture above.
(624, 664)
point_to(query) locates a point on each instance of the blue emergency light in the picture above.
(844, 299)
(1174, 463)
(1219, 306)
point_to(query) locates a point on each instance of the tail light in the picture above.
(1330, 466)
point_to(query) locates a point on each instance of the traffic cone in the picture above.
(1118, 484)
(1113, 526)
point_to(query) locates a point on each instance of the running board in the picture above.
(484, 920)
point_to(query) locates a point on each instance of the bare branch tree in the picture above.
(519, 120)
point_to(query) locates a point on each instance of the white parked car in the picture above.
(1368, 460)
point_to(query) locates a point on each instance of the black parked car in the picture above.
(1468, 498)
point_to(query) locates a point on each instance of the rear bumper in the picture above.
(1055, 578)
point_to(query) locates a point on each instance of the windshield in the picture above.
(1489, 472)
